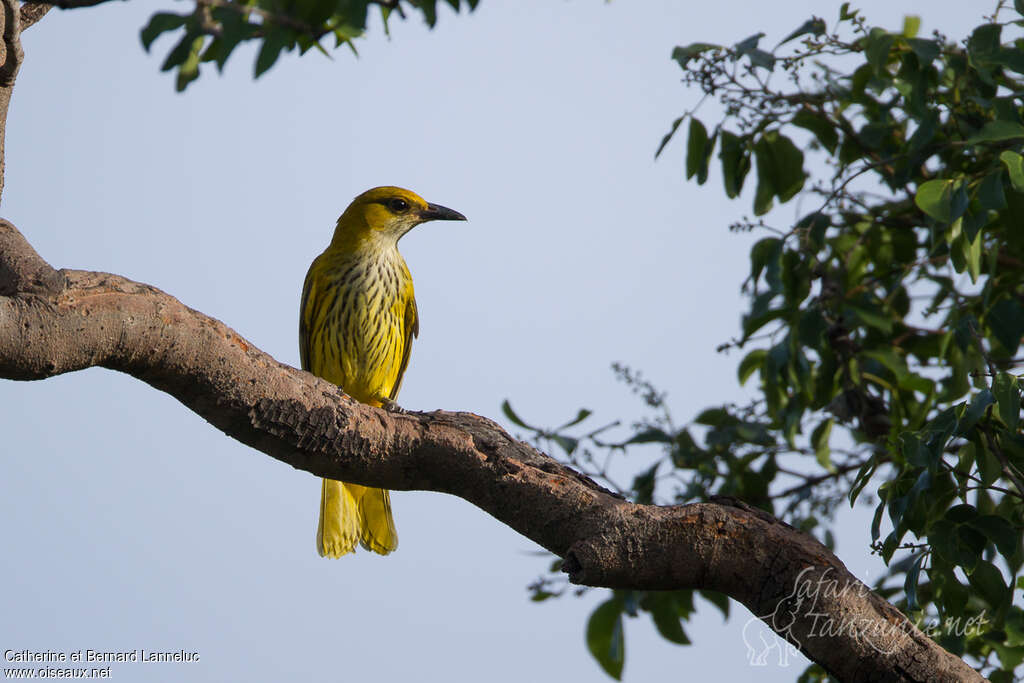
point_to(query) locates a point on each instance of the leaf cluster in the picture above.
(883, 319)
(215, 28)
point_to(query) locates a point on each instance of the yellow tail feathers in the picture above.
(351, 514)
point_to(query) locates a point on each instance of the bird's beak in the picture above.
(436, 212)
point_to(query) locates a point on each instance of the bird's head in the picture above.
(387, 213)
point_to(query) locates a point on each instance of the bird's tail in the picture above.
(350, 514)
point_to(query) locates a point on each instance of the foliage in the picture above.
(215, 28)
(882, 325)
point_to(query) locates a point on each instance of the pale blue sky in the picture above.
(128, 522)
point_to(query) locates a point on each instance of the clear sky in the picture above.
(128, 522)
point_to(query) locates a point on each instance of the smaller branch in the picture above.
(21, 268)
(1009, 471)
(12, 58)
(981, 485)
(267, 16)
(66, 4)
(31, 12)
(814, 481)
(12, 54)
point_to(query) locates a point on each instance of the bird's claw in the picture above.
(392, 407)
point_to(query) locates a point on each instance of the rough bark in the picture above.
(53, 322)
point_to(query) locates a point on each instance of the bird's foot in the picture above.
(391, 406)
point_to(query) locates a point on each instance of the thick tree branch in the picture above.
(52, 322)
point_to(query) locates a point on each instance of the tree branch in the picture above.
(31, 12)
(66, 4)
(52, 322)
(10, 63)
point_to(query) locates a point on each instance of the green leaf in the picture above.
(959, 200)
(813, 26)
(1007, 322)
(161, 22)
(926, 50)
(822, 128)
(765, 253)
(1006, 389)
(979, 404)
(275, 41)
(605, 638)
(877, 47)
(1011, 57)
(914, 452)
(820, 442)
(765, 194)
(997, 131)
(988, 581)
(940, 429)
(683, 54)
(990, 194)
(876, 521)
(668, 136)
(506, 408)
(910, 583)
(973, 256)
(911, 25)
(735, 157)
(780, 170)
(566, 443)
(697, 152)
(971, 539)
(872, 319)
(999, 531)
(582, 415)
(958, 514)
(189, 69)
(935, 198)
(983, 43)
(942, 538)
(650, 435)
(1015, 166)
(862, 478)
(713, 417)
(179, 53)
(665, 614)
(643, 484)
(989, 469)
(925, 132)
(234, 29)
(765, 60)
(748, 44)
(719, 600)
(751, 362)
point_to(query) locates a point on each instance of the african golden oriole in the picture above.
(356, 324)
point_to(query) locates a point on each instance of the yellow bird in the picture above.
(356, 324)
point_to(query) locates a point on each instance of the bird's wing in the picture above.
(306, 308)
(410, 329)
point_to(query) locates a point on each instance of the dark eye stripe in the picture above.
(395, 204)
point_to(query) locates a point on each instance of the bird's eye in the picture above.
(398, 205)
